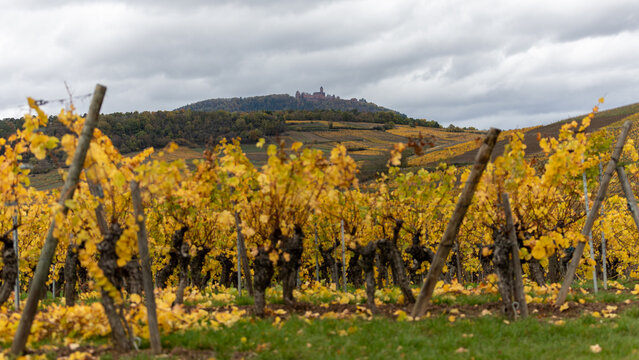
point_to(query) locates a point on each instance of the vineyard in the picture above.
(144, 253)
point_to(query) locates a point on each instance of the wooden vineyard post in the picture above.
(520, 296)
(592, 215)
(482, 158)
(51, 242)
(630, 197)
(100, 215)
(239, 256)
(241, 251)
(145, 262)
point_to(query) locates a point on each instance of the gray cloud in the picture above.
(480, 63)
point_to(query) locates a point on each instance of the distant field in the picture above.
(365, 142)
(52, 179)
(370, 148)
(444, 153)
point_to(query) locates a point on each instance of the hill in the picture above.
(367, 136)
(601, 120)
(277, 102)
(367, 142)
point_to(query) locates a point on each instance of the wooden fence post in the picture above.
(51, 242)
(482, 158)
(145, 262)
(594, 212)
(520, 296)
(630, 197)
(239, 256)
(241, 247)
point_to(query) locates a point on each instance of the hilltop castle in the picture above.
(320, 95)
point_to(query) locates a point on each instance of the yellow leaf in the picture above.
(118, 178)
(273, 257)
(296, 146)
(271, 150)
(70, 203)
(486, 251)
(135, 298)
(248, 232)
(539, 252)
(401, 315)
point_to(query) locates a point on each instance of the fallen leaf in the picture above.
(486, 312)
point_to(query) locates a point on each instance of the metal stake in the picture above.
(604, 263)
(15, 247)
(343, 259)
(316, 257)
(592, 250)
(239, 265)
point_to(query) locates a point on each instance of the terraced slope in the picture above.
(601, 120)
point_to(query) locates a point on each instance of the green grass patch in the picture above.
(434, 338)
(244, 300)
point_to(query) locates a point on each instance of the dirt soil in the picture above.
(530, 139)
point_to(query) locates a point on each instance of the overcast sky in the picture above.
(472, 63)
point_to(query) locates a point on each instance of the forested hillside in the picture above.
(133, 131)
(283, 102)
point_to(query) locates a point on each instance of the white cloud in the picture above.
(476, 63)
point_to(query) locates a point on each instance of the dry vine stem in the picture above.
(594, 212)
(482, 158)
(50, 244)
